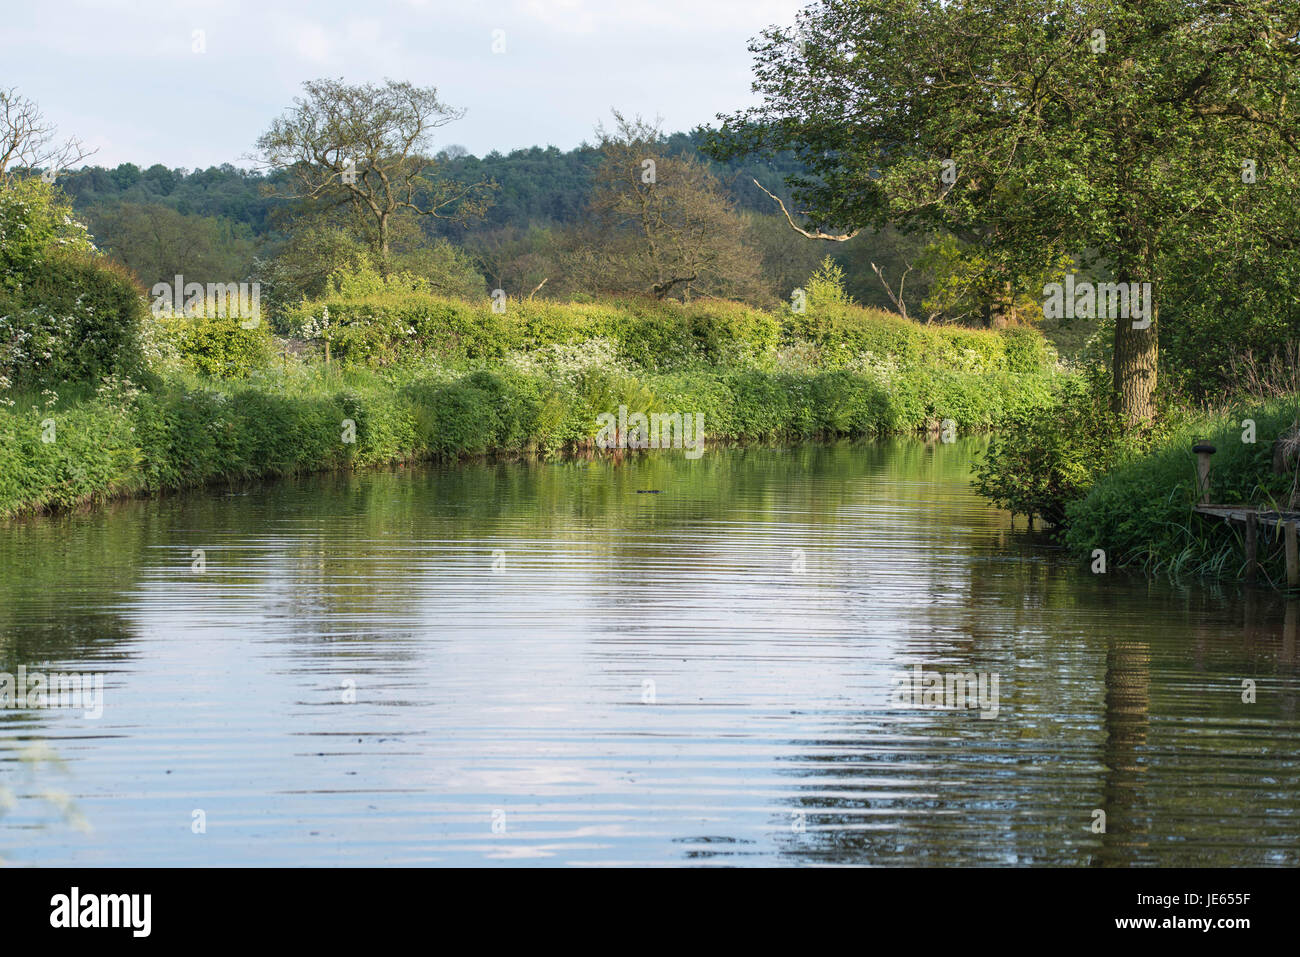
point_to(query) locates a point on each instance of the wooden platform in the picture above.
(1238, 513)
(1252, 518)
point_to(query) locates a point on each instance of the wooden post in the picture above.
(1203, 452)
(1292, 562)
(1252, 545)
(1288, 631)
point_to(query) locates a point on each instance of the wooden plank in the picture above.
(1252, 546)
(1230, 513)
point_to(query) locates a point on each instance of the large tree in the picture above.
(157, 243)
(659, 222)
(1031, 127)
(366, 148)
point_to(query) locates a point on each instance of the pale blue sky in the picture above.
(122, 74)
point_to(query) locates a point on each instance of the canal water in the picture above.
(753, 658)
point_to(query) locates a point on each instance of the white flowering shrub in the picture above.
(881, 369)
(66, 313)
(36, 222)
(570, 363)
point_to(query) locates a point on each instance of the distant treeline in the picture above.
(223, 223)
(537, 186)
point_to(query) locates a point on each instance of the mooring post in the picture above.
(1292, 562)
(1252, 545)
(1203, 450)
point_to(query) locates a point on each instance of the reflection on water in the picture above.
(659, 661)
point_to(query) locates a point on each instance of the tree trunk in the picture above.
(383, 245)
(1133, 370)
(1133, 363)
(1002, 308)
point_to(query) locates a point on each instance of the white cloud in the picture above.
(566, 63)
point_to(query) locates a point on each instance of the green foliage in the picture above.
(217, 346)
(1141, 511)
(66, 314)
(381, 325)
(278, 420)
(537, 185)
(966, 280)
(302, 266)
(443, 269)
(826, 286)
(1224, 304)
(158, 243)
(440, 270)
(1025, 349)
(363, 151)
(1026, 148)
(75, 320)
(1045, 456)
(93, 448)
(36, 223)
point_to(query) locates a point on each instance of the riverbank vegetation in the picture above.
(204, 408)
(1002, 250)
(104, 396)
(1135, 168)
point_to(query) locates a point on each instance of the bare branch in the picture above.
(842, 237)
(897, 300)
(27, 140)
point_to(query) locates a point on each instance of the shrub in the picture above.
(1141, 510)
(36, 222)
(1047, 454)
(217, 346)
(826, 286)
(392, 325)
(189, 430)
(1025, 349)
(76, 320)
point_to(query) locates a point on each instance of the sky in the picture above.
(127, 77)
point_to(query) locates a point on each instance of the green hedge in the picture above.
(67, 314)
(191, 431)
(391, 327)
(76, 320)
(220, 347)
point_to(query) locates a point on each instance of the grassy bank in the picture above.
(476, 382)
(1140, 511)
